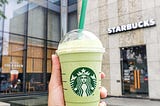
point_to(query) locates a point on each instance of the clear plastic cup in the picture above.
(80, 53)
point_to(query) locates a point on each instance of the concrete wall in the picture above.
(94, 22)
(103, 14)
(128, 11)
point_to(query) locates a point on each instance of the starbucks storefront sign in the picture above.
(133, 26)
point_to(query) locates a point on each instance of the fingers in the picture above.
(55, 97)
(55, 76)
(55, 63)
(103, 91)
(102, 104)
(102, 75)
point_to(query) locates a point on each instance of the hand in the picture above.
(56, 97)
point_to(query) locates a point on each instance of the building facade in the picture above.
(129, 31)
(28, 37)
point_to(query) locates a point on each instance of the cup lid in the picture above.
(80, 41)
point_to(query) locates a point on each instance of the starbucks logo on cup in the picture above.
(83, 81)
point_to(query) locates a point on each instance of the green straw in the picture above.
(83, 13)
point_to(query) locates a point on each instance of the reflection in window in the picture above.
(53, 26)
(57, 2)
(134, 70)
(35, 23)
(35, 65)
(15, 13)
(71, 2)
(12, 64)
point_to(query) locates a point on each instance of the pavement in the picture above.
(4, 104)
(41, 100)
(28, 100)
(120, 101)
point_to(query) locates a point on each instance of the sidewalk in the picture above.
(115, 101)
(31, 100)
(4, 104)
(41, 100)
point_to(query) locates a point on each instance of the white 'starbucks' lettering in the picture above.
(132, 26)
(83, 81)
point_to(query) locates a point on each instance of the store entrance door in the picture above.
(134, 71)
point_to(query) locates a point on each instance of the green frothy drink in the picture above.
(80, 54)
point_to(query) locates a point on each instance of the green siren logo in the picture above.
(83, 81)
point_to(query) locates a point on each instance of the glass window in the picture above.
(37, 18)
(16, 17)
(50, 50)
(53, 26)
(72, 21)
(134, 70)
(34, 80)
(71, 2)
(56, 2)
(12, 64)
(34, 23)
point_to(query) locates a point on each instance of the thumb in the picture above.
(56, 73)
